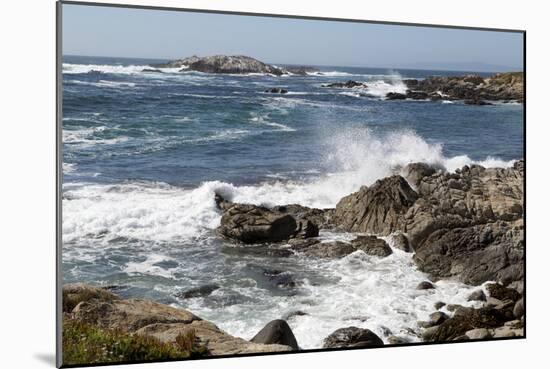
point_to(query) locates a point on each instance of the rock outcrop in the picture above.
(473, 89)
(352, 337)
(467, 224)
(233, 64)
(145, 317)
(257, 224)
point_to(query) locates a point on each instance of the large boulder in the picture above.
(352, 337)
(378, 209)
(276, 332)
(249, 223)
(256, 224)
(372, 245)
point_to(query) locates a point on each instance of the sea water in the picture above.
(144, 153)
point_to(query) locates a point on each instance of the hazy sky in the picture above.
(104, 31)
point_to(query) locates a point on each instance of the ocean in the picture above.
(144, 152)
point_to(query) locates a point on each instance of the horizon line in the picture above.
(509, 69)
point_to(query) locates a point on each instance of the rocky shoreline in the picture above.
(467, 225)
(470, 88)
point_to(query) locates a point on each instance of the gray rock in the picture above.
(502, 293)
(276, 332)
(415, 172)
(400, 241)
(332, 249)
(438, 317)
(352, 337)
(378, 209)
(226, 64)
(425, 285)
(438, 305)
(397, 340)
(478, 295)
(468, 320)
(372, 245)
(478, 334)
(201, 291)
(429, 333)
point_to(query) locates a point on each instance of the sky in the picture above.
(156, 34)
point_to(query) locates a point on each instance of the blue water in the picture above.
(143, 154)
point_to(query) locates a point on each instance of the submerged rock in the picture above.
(276, 332)
(201, 291)
(352, 337)
(348, 84)
(276, 90)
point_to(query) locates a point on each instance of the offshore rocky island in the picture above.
(466, 225)
(470, 88)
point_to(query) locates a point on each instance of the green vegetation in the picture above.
(86, 344)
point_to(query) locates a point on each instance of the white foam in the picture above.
(162, 212)
(85, 137)
(264, 120)
(148, 266)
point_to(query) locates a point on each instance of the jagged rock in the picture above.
(476, 102)
(201, 291)
(372, 245)
(401, 242)
(352, 337)
(425, 285)
(469, 319)
(377, 209)
(415, 172)
(478, 295)
(502, 293)
(276, 332)
(471, 88)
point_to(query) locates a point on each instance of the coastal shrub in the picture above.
(86, 344)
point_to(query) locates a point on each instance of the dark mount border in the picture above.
(59, 172)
